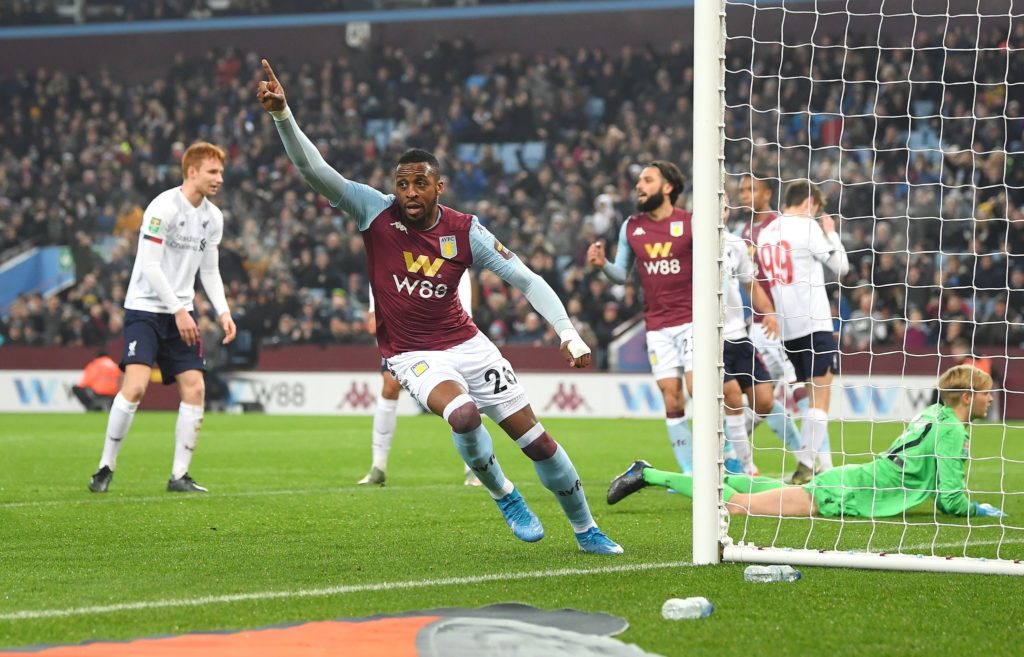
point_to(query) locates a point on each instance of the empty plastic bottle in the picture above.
(686, 608)
(771, 574)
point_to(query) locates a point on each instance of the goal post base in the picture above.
(871, 560)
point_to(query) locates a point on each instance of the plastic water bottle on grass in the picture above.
(686, 608)
(771, 574)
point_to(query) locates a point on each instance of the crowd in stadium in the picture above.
(560, 141)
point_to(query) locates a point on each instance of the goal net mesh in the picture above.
(907, 115)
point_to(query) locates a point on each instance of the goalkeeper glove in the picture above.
(986, 510)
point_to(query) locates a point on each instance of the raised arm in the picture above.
(361, 201)
(619, 270)
(490, 253)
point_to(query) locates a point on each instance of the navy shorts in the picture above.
(153, 338)
(813, 355)
(744, 364)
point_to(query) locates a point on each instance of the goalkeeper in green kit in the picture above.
(925, 462)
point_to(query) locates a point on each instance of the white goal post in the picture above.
(921, 180)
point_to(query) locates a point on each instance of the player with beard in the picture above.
(659, 239)
(417, 250)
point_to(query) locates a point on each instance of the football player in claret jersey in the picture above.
(180, 232)
(791, 253)
(417, 250)
(658, 238)
(385, 414)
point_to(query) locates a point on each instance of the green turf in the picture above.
(284, 515)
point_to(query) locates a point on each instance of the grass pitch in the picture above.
(286, 536)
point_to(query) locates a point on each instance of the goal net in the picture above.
(907, 115)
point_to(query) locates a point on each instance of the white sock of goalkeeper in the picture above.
(475, 446)
(557, 473)
(186, 436)
(736, 434)
(122, 412)
(783, 426)
(385, 418)
(681, 439)
(816, 432)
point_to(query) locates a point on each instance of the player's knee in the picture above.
(675, 402)
(541, 449)
(391, 388)
(194, 394)
(133, 392)
(537, 444)
(462, 414)
(763, 404)
(732, 394)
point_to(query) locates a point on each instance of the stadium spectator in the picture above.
(45, 153)
(431, 345)
(924, 464)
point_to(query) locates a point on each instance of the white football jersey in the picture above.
(739, 269)
(790, 255)
(185, 233)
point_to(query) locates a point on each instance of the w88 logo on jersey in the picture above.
(663, 267)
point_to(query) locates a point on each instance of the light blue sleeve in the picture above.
(490, 253)
(360, 201)
(619, 270)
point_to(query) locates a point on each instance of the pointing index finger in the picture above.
(269, 71)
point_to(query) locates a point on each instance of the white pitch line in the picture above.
(332, 590)
(106, 498)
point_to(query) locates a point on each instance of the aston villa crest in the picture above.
(675, 229)
(449, 249)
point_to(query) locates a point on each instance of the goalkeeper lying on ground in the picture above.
(925, 462)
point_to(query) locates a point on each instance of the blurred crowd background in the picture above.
(545, 148)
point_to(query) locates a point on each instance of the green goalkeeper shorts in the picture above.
(845, 491)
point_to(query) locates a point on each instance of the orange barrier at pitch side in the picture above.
(387, 637)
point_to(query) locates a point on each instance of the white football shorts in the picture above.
(670, 351)
(476, 365)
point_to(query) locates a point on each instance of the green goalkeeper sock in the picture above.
(749, 485)
(681, 483)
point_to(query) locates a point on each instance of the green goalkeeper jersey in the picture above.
(925, 462)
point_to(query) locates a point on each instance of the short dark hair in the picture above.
(673, 175)
(414, 155)
(764, 178)
(800, 190)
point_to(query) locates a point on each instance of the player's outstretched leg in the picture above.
(476, 448)
(557, 473)
(628, 482)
